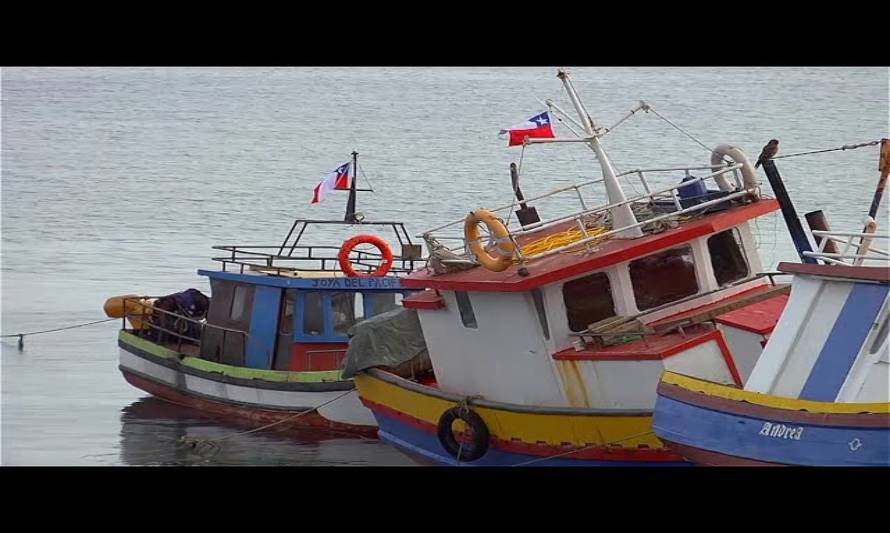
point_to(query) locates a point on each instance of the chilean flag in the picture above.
(536, 127)
(338, 179)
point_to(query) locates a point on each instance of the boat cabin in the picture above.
(292, 324)
(597, 303)
(289, 307)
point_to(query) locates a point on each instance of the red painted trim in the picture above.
(709, 458)
(727, 356)
(621, 352)
(254, 416)
(562, 266)
(839, 271)
(430, 300)
(599, 453)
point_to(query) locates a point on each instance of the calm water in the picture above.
(119, 180)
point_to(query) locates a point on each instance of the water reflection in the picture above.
(156, 432)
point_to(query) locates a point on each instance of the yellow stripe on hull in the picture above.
(553, 429)
(768, 400)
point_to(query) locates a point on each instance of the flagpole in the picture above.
(350, 204)
(621, 215)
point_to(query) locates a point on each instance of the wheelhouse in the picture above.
(293, 301)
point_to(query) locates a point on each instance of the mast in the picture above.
(621, 215)
(350, 203)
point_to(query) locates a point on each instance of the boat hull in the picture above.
(712, 424)
(162, 373)
(408, 413)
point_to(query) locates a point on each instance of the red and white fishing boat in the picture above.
(548, 336)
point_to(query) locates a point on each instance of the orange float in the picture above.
(385, 251)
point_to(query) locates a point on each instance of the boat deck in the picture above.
(553, 268)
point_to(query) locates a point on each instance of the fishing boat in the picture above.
(267, 346)
(547, 336)
(818, 395)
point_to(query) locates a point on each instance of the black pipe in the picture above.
(816, 220)
(350, 204)
(795, 228)
(514, 178)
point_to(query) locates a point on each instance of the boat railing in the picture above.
(670, 194)
(292, 255)
(182, 328)
(306, 258)
(856, 248)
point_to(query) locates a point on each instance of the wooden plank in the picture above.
(713, 312)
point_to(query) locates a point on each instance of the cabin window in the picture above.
(286, 323)
(466, 309)
(663, 278)
(382, 302)
(343, 311)
(239, 303)
(313, 314)
(588, 300)
(538, 298)
(359, 306)
(727, 257)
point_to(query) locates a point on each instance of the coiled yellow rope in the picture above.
(559, 239)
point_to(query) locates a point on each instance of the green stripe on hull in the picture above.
(277, 376)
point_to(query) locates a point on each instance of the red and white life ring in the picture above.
(385, 251)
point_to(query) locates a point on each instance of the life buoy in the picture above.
(503, 257)
(385, 251)
(479, 441)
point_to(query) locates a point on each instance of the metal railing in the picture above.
(291, 256)
(863, 251)
(148, 322)
(307, 258)
(670, 194)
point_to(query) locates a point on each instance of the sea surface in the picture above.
(119, 180)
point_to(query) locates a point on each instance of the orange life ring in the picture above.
(346, 265)
(505, 248)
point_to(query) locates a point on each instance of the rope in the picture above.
(681, 130)
(464, 405)
(22, 336)
(557, 240)
(366, 176)
(194, 443)
(538, 460)
(844, 147)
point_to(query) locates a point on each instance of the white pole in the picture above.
(622, 215)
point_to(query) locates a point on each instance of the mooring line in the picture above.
(22, 336)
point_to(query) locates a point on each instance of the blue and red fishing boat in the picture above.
(819, 395)
(268, 344)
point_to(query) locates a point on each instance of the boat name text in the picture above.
(781, 431)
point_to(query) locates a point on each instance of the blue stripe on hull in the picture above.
(426, 445)
(740, 436)
(844, 342)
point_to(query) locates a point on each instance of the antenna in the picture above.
(621, 215)
(350, 203)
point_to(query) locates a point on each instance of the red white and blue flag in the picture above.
(536, 127)
(338, 179)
